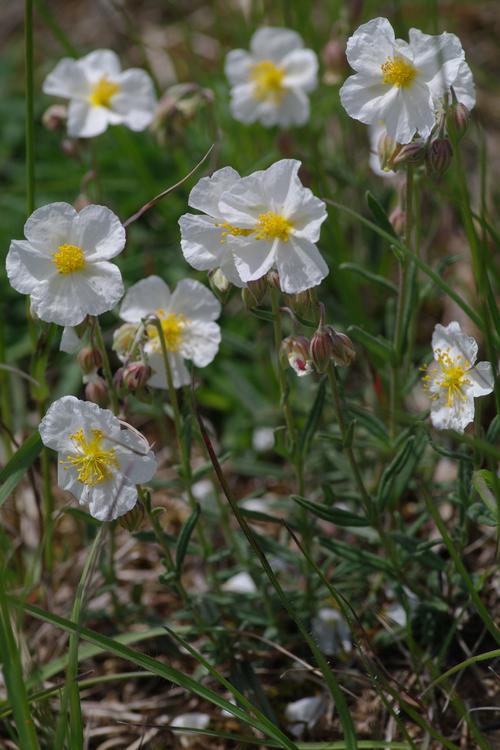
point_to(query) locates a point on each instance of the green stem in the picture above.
(455, 556)
(30, 139)
(105, 365)
(71, 695)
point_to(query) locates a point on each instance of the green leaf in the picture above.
(480, 513)
(313, 419)
(23, 458)
(389, 474)
(379, 214)
(334, 515)
(377, 345)
(185, 536)
(387, 285)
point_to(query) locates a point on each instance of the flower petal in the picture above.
(273, 43)
(456, 417)
(206, 193)
(144, 298)
(180, 374)
(253, 258)
(200, 342)
(135, 101)
(99, 232)
(87, 121)
(27, 269)
(300, 265)
(370, 45)
(101, 62)
(301, 69)
(195, 301)
(365, 98)
(237, 66)
(50, 226)
(67, 80)
(110, 500)
(482, 379)
(452, 339)
(139, 464)
(294, 109)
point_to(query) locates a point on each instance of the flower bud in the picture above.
(458, 118)
(301, 303)
(387, 150)
(411, 155)
(397, 217)
(343, 352)
(134, 518)
(320, 349)
(219, 284)
(136, 375)
(70, 147)
(123, 340)
(439, 156)
(334, 60)
(254, 292)
(294, 351)
(54, 118)
(118, 379)
(89, 359)
(96, 391)
(273, 279)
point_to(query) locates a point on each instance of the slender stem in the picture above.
(285, 404)
(106, 366)
(30, 140)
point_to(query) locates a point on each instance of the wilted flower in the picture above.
(452, 381)
(397, 82)
(99, 462)
(101, 94)
(271, 82)
(278, 222)
(63, 263)
(187, 320)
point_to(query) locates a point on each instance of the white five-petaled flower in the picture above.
(277, 222)
(101, 94)
(64, 262)
(187, 320)
(99, 462)
(271, 82)
(401, 83)
(452, 380)
(206, 239)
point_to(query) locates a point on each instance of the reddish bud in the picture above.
(294, 351)
(135, 375)
(411, 155)
(97, 391)
(342, 348)
(458, 118)
(320, 349)
(439, 156)
(89, 359)
(54, 118)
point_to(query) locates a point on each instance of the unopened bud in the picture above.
(397, 217)
(89, 359)
(411, 155)
(294, 351)
(219, 284)
(97, 391)
(82, 200)
(342, 348)
(123, 340)
(439, 156)
(54, 118)
(134, 518)
(301, 303)
(334, 60)
(273, 279)
(136, 375)
(320, 349)
(70, 147)
(254, 292)
(118, 379)
(458, 118)
(387, 150)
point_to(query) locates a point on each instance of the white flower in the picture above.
(186, 318)
(271, 82)
(331, 631)
(101, 94)
(306, 712)
(207, 239)
(452, 381)
(98, 462)
(63, 263)
(399, 82)
(183, 723)
(241, 583)
(375, 132)
(277, 221)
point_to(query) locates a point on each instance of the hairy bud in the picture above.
(97, 391)
(254, 292)
(342, 348)
(273, 279)
(134, 518)
(334, 60)
(387, 150)
(301, 303)
(89, 359)
(411, 155)
(458, 118)
(219, 284)
(439, 156)
(320, 349)
(136, 375)
(294, 351)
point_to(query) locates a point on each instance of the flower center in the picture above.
(268, 79)
(228, 228)
(450, 376)
(102, 92)
(398, 72)
(172, 325)
(68, 259)
(93, 463)
(272, 226)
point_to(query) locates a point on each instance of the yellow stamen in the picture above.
(68, 259)
(102, 92)
(398, 72)
(449, 375)
(268, 79)
(273, 226)
(172, 325)
(94, 463)
(228, 228)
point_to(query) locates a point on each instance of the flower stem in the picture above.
(105, 365)
(30, 140)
